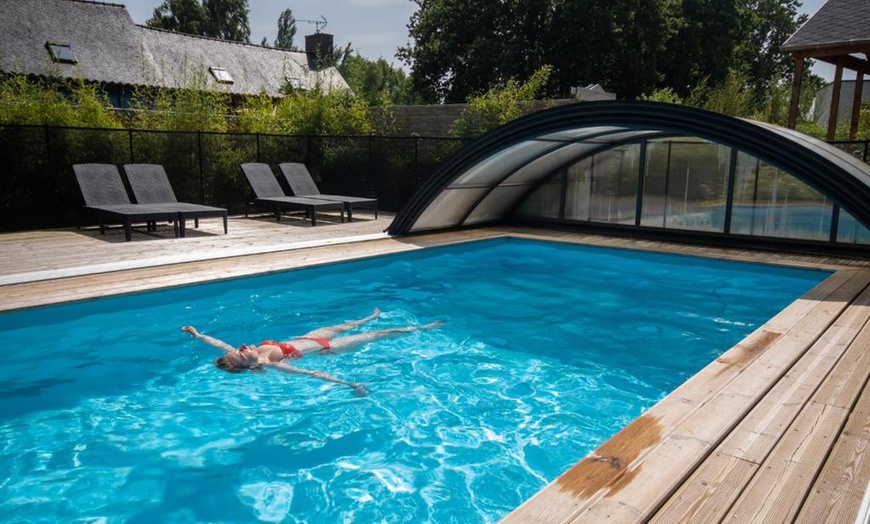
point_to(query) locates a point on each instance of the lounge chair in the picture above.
(150, 185)
(268, 193)
(105, 196)
(302, 185)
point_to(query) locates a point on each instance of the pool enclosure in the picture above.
(653, 170)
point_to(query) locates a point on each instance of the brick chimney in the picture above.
(319, 49)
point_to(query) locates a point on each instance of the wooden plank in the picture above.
(716, 484)
(786, 476)
(777, 492)
(643, 472)
(837, 493)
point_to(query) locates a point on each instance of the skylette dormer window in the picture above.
(61, 53)
(221, 75)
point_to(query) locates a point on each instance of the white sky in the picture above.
(374, 28)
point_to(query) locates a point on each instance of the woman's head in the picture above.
(244, 358)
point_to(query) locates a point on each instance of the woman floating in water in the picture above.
(271, 354)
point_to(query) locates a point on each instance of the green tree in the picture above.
(464, 48)
(376, 81)
(499, 106)
(767, 24)
(458, 47)
(286, 30)
(227, 20)
(185, 16)
(701, 45)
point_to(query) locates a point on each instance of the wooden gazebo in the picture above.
(839, 33)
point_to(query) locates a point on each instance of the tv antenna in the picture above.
(318, 24)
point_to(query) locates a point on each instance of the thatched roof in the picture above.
(838, 23)
(110, 48)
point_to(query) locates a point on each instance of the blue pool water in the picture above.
(547, 351)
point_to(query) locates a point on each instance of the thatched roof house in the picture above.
(99, 42)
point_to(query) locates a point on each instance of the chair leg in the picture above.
(225, 225)
(128, 231)
(196, 223)
(179, 227)
(313, 218)
(349, 213)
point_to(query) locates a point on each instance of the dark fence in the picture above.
(857, 148)
(40, 191)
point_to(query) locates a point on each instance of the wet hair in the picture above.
(224, 364)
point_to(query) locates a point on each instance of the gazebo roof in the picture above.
(838, 24)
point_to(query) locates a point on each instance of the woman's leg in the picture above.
(351, 342)
(331, 331)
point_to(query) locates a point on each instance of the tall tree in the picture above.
(376, 81)
(286, 30)
(227, 19)
(767, 24)
(185, 16)
(701, 46)
(460, 48)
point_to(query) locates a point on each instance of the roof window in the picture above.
(61, 53)
(221, 75)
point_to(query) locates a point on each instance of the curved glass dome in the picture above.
(652, 169)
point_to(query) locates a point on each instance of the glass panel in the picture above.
(448, 208)
(686, 185)
(497, 203)
(603, 188)
(221, 75)
(851, 231)
(493, 168)
(544, 202)
(770, 202)
(61, 53)
(547, 164)
(655, 184)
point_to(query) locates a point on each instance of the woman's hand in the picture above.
(359, 390)
(190, 329)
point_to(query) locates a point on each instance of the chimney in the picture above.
(319, 49)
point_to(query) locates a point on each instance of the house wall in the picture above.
(822, 103)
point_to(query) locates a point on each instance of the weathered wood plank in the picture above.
(639, 482)
(837, 493)
(716, 484)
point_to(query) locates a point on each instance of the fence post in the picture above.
(416, 162)
(132, 156)
(201, 176)
(47, 153)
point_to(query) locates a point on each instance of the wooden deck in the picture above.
(775, 430)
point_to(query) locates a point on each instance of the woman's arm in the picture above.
(220, 344)
(358, 389)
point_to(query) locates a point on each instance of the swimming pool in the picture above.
(548, 350)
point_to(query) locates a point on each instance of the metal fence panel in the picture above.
(39, 188)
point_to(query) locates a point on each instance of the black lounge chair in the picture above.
(105, 196)
(268, 193)
(150, 185)
(302, 185)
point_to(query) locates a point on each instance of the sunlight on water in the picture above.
(547, 350)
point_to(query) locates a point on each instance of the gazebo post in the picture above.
(856, 101)
(796, 90)
(835, 100)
